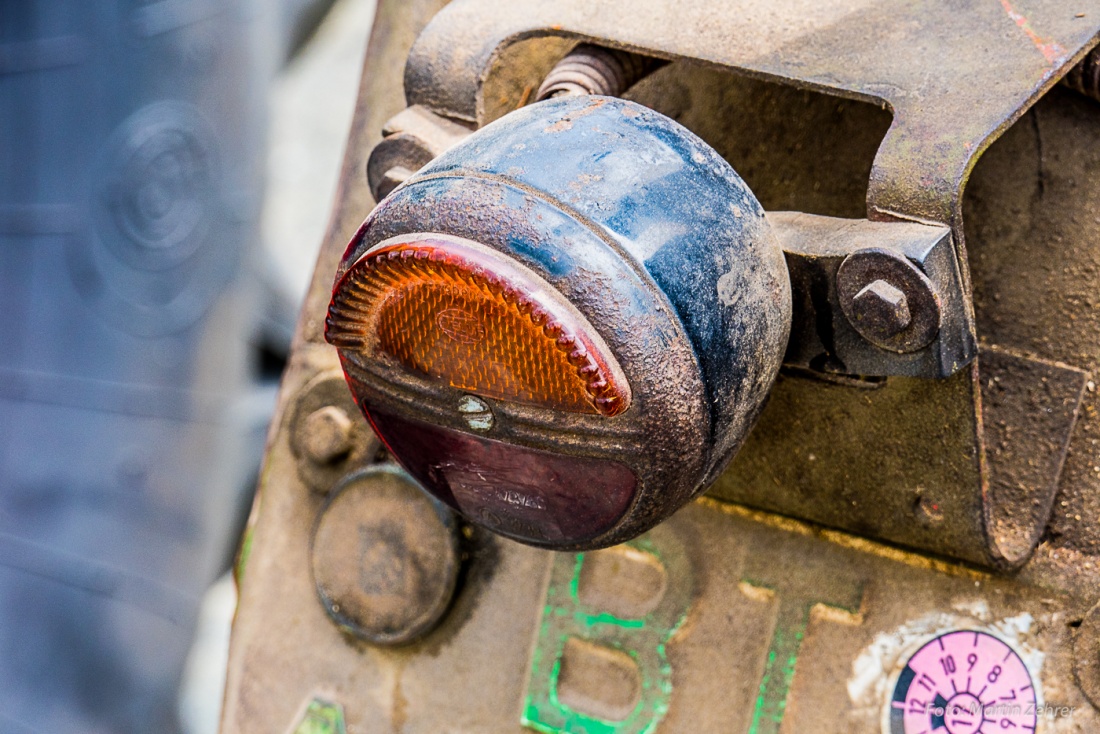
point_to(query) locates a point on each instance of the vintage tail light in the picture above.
(565, 326)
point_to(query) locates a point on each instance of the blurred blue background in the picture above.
(168, 168)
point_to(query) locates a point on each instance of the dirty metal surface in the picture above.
(378, 519)
(1036, 272)
(882, 482)
(980, 66)
(955, 75)
(788, 629)
(826, 328)
(822, 250)
(791, 627)
(811, 153)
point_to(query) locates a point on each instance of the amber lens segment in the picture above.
(458, 312)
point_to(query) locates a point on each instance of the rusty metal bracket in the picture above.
(987, 505)
(826, 336)
(955, 78)
(411, 139)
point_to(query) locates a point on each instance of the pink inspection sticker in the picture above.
(963, 682)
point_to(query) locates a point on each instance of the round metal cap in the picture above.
(385, 557)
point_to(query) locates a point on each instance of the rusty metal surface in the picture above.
(327, 437)
(384, 557)
(825, 331)
(1086, 650)
(881, 482)
(888, 300)
(869, 481)
(1033, 212)
(1033, 218)
(840, 609)
(955, 75)
(983, 79)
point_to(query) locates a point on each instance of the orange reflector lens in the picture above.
(464, 314)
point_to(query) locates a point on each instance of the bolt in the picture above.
(326, 434)
(391, 179)
(882, 308)
(477, 412)
(888, 300)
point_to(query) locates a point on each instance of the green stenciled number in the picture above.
(567, 616)
(322, 717)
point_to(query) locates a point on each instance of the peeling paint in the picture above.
(1052, 51)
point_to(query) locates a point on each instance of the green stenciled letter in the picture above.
(599, 666)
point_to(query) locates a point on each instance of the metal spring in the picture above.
(1085, 76)
(589, 69)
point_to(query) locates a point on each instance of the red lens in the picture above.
(528, 494)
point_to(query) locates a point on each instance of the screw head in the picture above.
(326, 434)
(888, 300)
(882, 308)
(478, 414)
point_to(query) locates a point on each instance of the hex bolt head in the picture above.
(888, 300)
(327, 437)
(882, 308)
(326, 434)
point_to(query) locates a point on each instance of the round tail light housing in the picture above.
(565, 326)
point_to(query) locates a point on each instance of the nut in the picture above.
(326, 434)
(888, 300)
(882, 308)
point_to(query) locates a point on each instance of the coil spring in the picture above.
(1085, 76)
(589, 69)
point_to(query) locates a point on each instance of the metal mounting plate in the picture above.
(954, 74)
